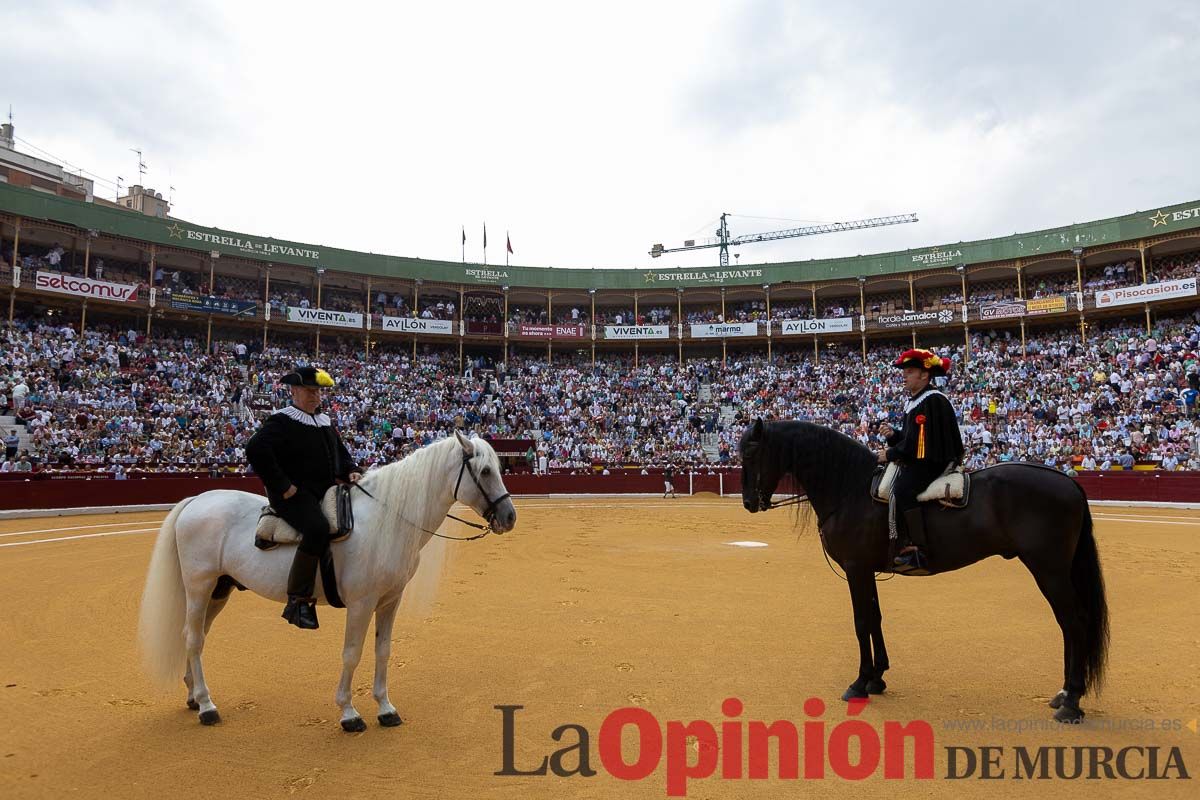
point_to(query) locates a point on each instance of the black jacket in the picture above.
(308, 453)
(942, 441)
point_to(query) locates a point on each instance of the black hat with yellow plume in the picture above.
(308, 376)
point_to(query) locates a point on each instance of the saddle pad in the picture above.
(948, 487)
(881, 484)
(272, 528)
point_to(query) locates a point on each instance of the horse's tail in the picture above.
(164, 604)
(1088, 581)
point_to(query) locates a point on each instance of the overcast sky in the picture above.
(591, 134)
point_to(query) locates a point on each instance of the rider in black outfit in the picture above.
(298, 455)
(924, 447)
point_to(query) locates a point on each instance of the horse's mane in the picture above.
(403, 488)
(410, 499)
(820, 458)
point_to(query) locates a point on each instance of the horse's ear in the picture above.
(756, 432)
(467, 448)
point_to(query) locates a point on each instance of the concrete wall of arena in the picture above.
(63, 491)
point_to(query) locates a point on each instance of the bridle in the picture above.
(764, 499)
(489, 513)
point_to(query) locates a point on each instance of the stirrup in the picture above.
(912, 560)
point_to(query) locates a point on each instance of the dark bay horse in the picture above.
(1023, 511)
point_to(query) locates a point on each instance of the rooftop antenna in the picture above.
(141, 165)
(170, 195)
(120, 180)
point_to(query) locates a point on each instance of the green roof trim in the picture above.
(178, 233)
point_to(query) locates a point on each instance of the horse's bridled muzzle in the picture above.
(505, 518)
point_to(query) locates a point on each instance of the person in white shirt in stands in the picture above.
(8, 465)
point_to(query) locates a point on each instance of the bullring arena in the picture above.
(590, 605)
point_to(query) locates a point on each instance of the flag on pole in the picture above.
(485, 236)
(509, 238)
(464, 234)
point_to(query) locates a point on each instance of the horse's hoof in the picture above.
(854, 693)
(1069, 715)
(355, 725)
(876, 686)
(1057, 701)
(209, 717)
(193, 705)
(390, 720)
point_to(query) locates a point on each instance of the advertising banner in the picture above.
(85, 287)
(813, 326)
(1002, 310)
(185, 301)
(917, 319)
(1046, 305)
(720, 330)
(320, 316)
(553, 331)
(441, 327)
(1146, 292)
(637, 331)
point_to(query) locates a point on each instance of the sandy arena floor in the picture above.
(588, 606)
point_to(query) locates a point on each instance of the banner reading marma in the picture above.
(553, 331)
(814, 326)
(441, 327)
(86, 287)
(720, 330)
(321, 316)
(637, 331)
(1146, 292)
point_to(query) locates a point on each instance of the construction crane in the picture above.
(724, 241)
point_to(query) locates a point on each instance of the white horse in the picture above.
(210, 536)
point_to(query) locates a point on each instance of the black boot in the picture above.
(301, 608)
(913, 560)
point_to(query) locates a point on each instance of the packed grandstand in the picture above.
(1082, 356)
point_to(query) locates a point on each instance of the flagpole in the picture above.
(485, 244)
(464, 244)
(506, 246)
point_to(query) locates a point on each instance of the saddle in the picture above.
(951, 489)
(273, 531)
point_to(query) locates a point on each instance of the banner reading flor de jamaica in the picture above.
(553, 331)
(1127, 295)
(917, 319)
(442, 327)
(637, 331)
(85, 287)
(208, 304)
(320, 316)
(1001, 310)
(720, 330)
(814, 326)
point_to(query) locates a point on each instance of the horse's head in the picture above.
(760, 474)
(479, 484)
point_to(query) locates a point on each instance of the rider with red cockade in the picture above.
(924, 447)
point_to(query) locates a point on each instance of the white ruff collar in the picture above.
(916, 401)
(319, 421)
